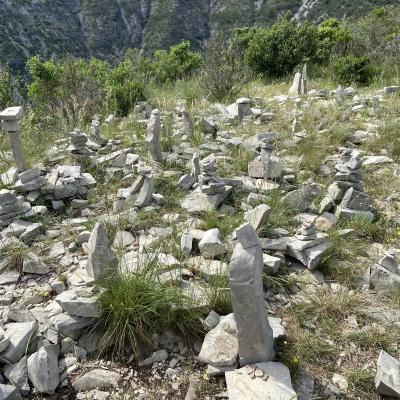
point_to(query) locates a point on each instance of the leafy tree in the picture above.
(177, 63)
(351, 69)
(332, 37)
(224, 73)
(125, 88)
(6, 88)
(276, 51)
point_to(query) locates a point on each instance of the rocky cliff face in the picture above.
(106, 28)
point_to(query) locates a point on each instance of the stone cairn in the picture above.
(347, 195)
(209, 182)
(210, 190)
(79, 148)
(266, 165)
(307, 246)
(95, 132)
(140, 194)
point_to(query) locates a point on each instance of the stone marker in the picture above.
(295, 89)
(153, 136)
(387, 380)
(255, 335)
(101, 261)
(10, 117)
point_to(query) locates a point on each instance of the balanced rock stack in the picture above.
(385, 276)
(347, 193)
(78, 147)
(95, 133)
(266, 165)
(11, 207)
(140, 194)
(307, 246)
(211, 190)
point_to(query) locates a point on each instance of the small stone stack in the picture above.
(11, 207)
(385, 276)
(347, 193)
(140, 194)
(95, 133)
(211, 190)
(266, 165)
(209, 182)
(307, 246)
(78, 147)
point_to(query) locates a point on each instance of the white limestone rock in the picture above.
(387, 380)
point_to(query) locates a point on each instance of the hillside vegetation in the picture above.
(106, 28)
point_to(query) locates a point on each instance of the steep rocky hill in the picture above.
(105, 28)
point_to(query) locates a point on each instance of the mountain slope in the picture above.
(106, 28)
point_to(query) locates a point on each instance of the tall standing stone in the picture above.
(101, 261)
(295, 89)
(154, 135)
(10, 117)
(304, 80)
(255, 335)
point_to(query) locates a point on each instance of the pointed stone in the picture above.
(101, 261)
(255, 335)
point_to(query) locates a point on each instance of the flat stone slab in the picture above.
(261, 381)
(198, 202)
(19, 335)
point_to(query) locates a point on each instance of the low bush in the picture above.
(125, 88)
(350, 69)
(177, 63)
(276, 51)
(224, 73)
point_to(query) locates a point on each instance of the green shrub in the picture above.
(72, 90)
(6, 88)
(134, 307)
(350, 69)
(224, 73)
(125, 88)
(177, 63)
(276, 51)
(333, 37)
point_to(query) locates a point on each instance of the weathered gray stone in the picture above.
(154, 135)
(186, 243)
(210, 244)
(33, 265)
(78, 306)
(70, 326)
(17, 374)
(102, 261)
(186, 182)
(157, 356)
(261, 381)
(258, 216)
(301, 199)
(254, 332)
(9, 392)
(97, 379)
(43, 369)
(19, 334)
(220, 345)
(387, 380)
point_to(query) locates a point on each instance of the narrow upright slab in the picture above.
(255, 335)
(101, 261)
(153, 136)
